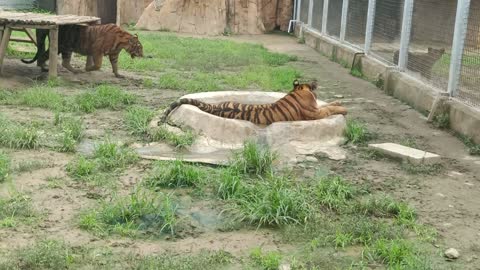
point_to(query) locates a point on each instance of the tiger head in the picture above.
(135, 48)
(304, 86)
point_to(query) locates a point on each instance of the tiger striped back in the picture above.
(300, 104)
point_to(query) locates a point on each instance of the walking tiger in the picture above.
(95, 41)
(300, 104)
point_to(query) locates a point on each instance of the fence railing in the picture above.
(437, 41)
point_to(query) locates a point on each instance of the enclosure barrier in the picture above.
(436, 41)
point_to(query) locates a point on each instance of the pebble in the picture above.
(440, 195)
(338, 96)
(311, 159)
(452, 253)
(284, 267)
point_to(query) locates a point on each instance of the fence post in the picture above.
(343, 25)
(310, 12)
(370, 22)
(405, 36)
(325, 17)
(299, 7)
(461, 24)
(294, 15)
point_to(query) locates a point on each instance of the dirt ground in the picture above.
(447, 200)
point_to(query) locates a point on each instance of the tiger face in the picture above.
(136, 48)
(297, 86)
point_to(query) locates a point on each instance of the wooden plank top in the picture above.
(29, 18)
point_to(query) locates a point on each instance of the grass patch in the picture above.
(137, 119)
(16, 136)
(397, 254)
(108, 158)
(254, 159)
(175, 173)
(31, 165)
(72, 131)
(385, 206)
(419, 169)
(228, 184)
(473, 148)
(273, 201)
(179, 140)
(442, 121)
(205, 260)
(194, 64)
(333, 192)
(16, 209)
(134, 215)
(104, 96)
(356, 132)
(356, 73)
(266, 260)
(4, 166)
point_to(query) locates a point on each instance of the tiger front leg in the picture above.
(114, 62)
(326, 111)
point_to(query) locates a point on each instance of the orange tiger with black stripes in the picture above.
(94, 41)
(300, 104)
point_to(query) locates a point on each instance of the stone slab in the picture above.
(406, 153)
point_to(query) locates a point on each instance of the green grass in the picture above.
(425, 169)
(54, 254)
(442, 121)
(16, 136)
(205, 260)
(266, 260)
(4, 166)
(45, 96)
(333, 192)
(16, 209)
(31, 165)
(174, 174)
(397, 254)
(72, 130)
(135, 215)
(473, 148)
(254, 159)
(104, 97)
(357, 73)
(179, 140)
(44, 254)
(137, 119)
(108, 159)
(195, 64)
(385, 206)
(229, 183)
(273, 201)
(356, 132)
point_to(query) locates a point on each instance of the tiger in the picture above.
(94, 41)
(298, 105)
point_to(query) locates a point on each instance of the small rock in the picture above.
(311, 159)
(440, 195)
(452, 253)
(469, 184)
(338, 96)
(451, 206)
(284, 267)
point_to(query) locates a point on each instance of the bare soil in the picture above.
(447, 200)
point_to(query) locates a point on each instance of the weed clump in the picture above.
(104, 97)
(137, 119)
(16, 136)
(333, 192)
(356, 132)
(17, 208)
(175, 174)
(254, 159)
(180, 141)
(134, 215)
(4, 166)
(266, 260)
(72, 132)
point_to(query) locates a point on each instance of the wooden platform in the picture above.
(20, 20)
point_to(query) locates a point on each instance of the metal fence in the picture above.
(437, 41)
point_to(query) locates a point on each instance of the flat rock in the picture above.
(406, 153)
(452, 253)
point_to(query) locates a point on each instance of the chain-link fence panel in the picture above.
(334, 18)
(387, 29)
(317, 15)
(433, 24)
(469, 86)
(356, 22)
(304, 11)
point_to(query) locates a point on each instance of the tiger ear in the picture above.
(314, 85)
(296, 83)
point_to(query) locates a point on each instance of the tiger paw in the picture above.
(335, 103)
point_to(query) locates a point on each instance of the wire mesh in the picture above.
(469, 86)
(387, 29)
(304, 11)
(356, 22)
(317, 15)
(431, 37)
(334, 18)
